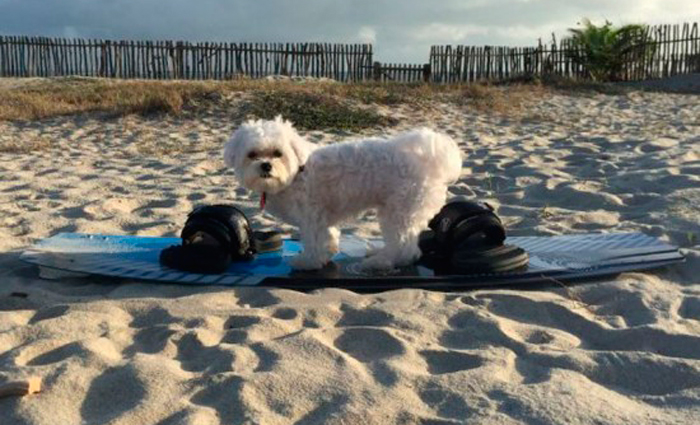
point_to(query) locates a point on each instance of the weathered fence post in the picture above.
(103, 60)
(426, 73)
(377, 71)
(179, 63)
(694, 62)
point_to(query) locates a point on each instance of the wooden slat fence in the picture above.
(676, 50)
(48, 57)
(404, 73)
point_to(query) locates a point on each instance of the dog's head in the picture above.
(266, 155)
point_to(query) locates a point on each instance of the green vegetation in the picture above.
(315, 111)
(607, 51)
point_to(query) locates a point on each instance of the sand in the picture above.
(622, 350)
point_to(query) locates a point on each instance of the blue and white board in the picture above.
(556, 257)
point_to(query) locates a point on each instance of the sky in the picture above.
(401, 31)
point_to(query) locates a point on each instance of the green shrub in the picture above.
(315, 111)
(607, 52)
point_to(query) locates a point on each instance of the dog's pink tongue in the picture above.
(262, 200)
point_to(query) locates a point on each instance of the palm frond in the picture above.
(606, 51)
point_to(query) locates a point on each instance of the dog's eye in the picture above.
(277, 153)
(252, 155)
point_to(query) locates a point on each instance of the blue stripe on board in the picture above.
(209, 278)
(251, 281)
(172, 276)
(190, 278)
(229, 280)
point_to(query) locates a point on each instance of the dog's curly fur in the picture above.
(405, 178)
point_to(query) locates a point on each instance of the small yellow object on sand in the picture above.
(20, 388)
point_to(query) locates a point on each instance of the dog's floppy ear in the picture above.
(236, 144)
(302, 149)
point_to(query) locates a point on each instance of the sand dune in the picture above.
(617, 351)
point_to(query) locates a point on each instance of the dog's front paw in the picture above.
(377, 262)
(305, 262)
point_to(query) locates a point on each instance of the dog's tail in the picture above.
(438, 151)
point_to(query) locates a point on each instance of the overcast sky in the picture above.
(401, 31)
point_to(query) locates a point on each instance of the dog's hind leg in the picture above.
(400, 243)
(320, 244)
(401, 224)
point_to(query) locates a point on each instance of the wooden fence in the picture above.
(405, 73)
(47, 57)
(675, 50)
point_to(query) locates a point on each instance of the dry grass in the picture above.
(585, 88)
(312, 104)
(25, 146)
(67, 96)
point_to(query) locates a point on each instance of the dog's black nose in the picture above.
(266, 167)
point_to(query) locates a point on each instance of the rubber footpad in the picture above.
(495, 259)
(267, 241)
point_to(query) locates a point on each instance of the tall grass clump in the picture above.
(315, 111)
(607, 51)
(66, 96)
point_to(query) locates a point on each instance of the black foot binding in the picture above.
(213, 237)
(196, 258)
(467, 238)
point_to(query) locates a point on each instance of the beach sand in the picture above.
(622, 350)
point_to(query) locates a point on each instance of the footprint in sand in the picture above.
(442, 362)
(446, 402)
(547, 338)
(199, 351)
(657, 145)
(642, 374)
(225, 396)
(197, 196)
(155, 339)
(285, 313)
(369, 344)
(235, 336)
(690, 308)
(236, 329)
(49, 313)
(364, 317)
(267, 358)
(237, 322)
(152, 317)
(73, 213)
(93, 351)
(114, 206)
(120, 385)
(160, 203)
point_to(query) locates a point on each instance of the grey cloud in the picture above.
(402, 28)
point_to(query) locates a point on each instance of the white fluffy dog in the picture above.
(404, 178)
